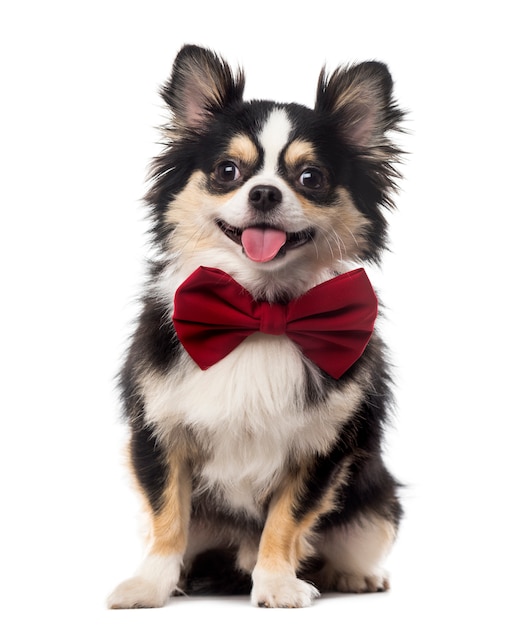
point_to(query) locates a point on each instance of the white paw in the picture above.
(355, 583)
(277, 591)
(156, 579)
(136, 593)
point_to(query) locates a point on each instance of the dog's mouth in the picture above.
(261, 243)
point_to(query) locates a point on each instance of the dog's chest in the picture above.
(243, 468)
(249, 413)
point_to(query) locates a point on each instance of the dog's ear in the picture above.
(358, 100)
(201, 83)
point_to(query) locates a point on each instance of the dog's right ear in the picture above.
(201, 83)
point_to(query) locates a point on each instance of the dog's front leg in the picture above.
(283, 545)
(158, 575)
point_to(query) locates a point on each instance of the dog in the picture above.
(260, 463)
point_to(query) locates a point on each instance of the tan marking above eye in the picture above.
(241, 148)
(299, 153)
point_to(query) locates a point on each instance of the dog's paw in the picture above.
(136, 593)
(356, 583)
(277, 591)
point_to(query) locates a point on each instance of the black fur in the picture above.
(370, 180)
(349, 133)
(149, 464)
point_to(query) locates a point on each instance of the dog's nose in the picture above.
(264, 197)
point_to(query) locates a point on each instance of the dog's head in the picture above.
(277, 195)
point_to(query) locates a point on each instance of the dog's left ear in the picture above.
(358, 99)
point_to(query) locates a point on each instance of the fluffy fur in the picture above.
(262, 473)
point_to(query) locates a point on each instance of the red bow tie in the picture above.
(332, 323)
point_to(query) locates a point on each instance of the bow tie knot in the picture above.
(331, 323)
(273, 318)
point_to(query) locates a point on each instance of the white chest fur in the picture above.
(250, 413)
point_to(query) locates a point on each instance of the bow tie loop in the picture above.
(331, 323)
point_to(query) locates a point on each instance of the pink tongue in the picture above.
(262, 244)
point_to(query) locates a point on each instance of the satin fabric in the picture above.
(331, 323)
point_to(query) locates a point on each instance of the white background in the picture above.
(79, 107)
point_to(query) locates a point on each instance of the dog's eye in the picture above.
(312, 178)
(227, 172)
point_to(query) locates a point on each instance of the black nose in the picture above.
(264, 197)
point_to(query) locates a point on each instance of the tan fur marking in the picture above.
(188, 201)
(242, 149)
(279, 538)
(169, 526)
(189, 210)
(299, 153)
(285, 541)
(342, 224)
